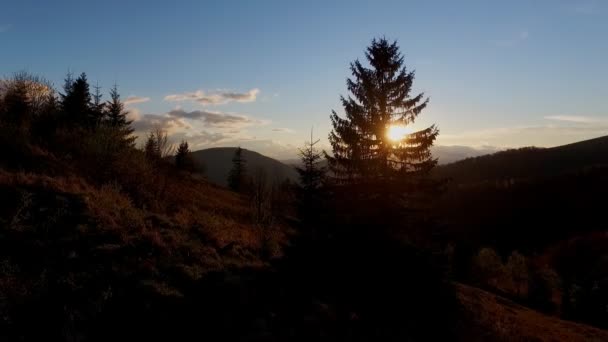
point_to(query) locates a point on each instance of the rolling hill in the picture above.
(218, 162)
(527, 162)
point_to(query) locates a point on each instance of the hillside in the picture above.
(218, 162)
(528, 162)
(499, 319)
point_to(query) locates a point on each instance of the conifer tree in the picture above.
(311, 171)
(312, 175)
(116, 117)
(98, 107)
(238, 174)
(151, 148)
(76, 102)
(183, 157)
(380, 98)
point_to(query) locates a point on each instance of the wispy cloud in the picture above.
(551, 134)
(513, 41)
(283, 130)
(149, 122)
(572, 118)
(135, 99)
(215, 98)
(218, 120)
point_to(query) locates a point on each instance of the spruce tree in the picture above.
(116, 117)
(238, 174)
(76, 102)
(312, 175)
(380, 98)
(98, 107)
(151, 148)
(183, 157)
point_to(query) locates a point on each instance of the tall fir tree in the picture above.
(381, 98)
(237, 177)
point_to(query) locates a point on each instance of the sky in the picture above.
(262, 74)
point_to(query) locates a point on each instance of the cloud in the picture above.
(215, 98)
(519, 136)
(5, 28)
(571, 118)
(134, 114)
(283, 130)
(149, 122)
(201, 139)
(521, 37)
(216, 119)
(135, 99)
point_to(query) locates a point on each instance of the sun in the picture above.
(397, 132)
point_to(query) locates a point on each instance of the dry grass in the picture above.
(190, 208)
(500, 319)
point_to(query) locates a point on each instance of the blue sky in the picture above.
(260, 74)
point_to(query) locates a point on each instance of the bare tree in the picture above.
(157, 146)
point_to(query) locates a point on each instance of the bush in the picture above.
(488, 268)
(543, 287)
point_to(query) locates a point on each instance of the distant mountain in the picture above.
(218, 162)
(445, 154)
(450, 154)
(528, 162)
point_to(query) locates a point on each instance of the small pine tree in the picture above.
(183, 158)
(98, 107)
(116, 117)
(238, 174)
(312, 176)
(76, 102)
(150, 148)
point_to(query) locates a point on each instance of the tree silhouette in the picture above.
(157, 146)
(98, 107)
(238, 174)
(76, 102)
(183, 158)
(312, 176)
(116, 117)
(381, 98)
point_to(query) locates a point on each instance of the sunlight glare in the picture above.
(397, 132)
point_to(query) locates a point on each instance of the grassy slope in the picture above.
(499, 319)
(72, 253)
(99, 250)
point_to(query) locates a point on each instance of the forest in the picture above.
(108, 236)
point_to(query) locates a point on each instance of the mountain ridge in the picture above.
(218, 162)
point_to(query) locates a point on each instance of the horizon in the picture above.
(261, 76)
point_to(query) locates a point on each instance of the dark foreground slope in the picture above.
(218, 162)
(496, 318)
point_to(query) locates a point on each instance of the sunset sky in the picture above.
(260, 74)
